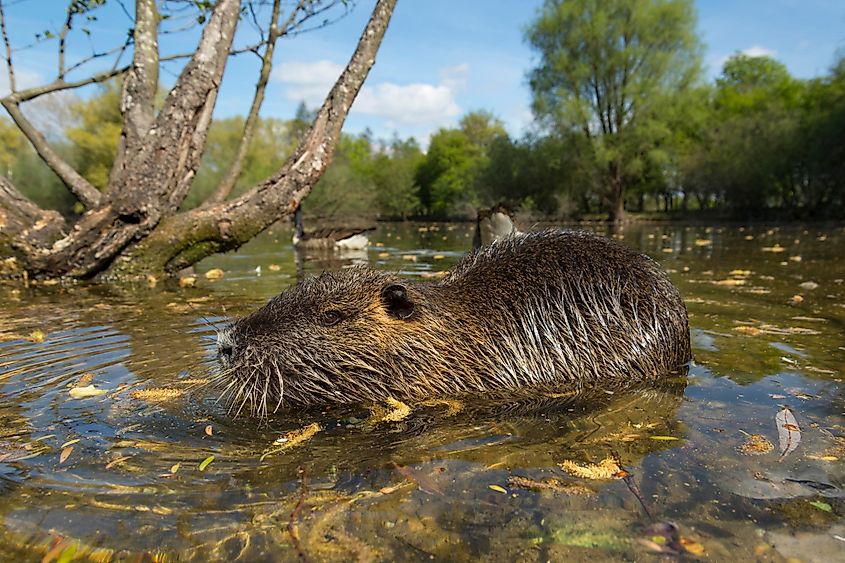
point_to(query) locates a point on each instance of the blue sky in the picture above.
(441, 58)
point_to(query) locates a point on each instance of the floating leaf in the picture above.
(809, 285)
(70, 443)
(37, 335)
(497, 488)
(821, 505)
(208, 430)
(175, 467)
(274, 267)
(214, 274)
(608, 468)
(789, 434)
(291, 440)
(187, 281)
(205, 463)
(65, 454)
(156, 394)
(85, 392)
(692, 546)
(664, 438)
(756, 444)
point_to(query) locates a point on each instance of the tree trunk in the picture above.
(134, 228)
(183, 239)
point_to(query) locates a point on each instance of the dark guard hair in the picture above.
(553, 308)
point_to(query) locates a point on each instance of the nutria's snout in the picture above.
(225, 347)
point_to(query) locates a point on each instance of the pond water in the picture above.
(113, 448)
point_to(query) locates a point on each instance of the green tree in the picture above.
(394, 174)
(605, 66)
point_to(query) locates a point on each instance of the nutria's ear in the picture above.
(396, 301)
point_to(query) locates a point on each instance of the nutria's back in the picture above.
(555, 307)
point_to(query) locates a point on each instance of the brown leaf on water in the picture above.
(755, 444)
(156, 394)
(740, 273)
(607, 468)
(730, 282)
(554, 485)
(208, 430)
(291, 440)
(789, 434)
(86, 379)
(425, 483)
(796, 299)
(214, 274)
(65, 454)
(398, 411)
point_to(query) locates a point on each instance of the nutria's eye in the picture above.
(330, 318)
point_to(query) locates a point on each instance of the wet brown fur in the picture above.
(560, 308)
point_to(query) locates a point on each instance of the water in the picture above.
(451, 481)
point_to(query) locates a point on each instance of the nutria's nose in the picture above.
(225, 345)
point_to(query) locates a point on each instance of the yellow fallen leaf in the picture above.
(187, 281)
(85, 392)
(664, 438)
(214, 274)
(384, 255)
(208, 430)
(205, 463)
(776, 248)
(749, 330)
(37, 335)
(438, 257)
(692, 546)
(274, 267)
(741, 273)
(730, 281)
(497, 488)
(703, 242)
(174, 468)
(70, 443)
(65, 454)
(409, 258)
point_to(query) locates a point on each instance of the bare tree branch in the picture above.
(137, 101)
(62, 38)
(79, 186)
(9, 67)
(183, 239)
(157, 177)
(228, 182)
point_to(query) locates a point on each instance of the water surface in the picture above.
(118, 475)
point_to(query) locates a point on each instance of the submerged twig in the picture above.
(294, 515)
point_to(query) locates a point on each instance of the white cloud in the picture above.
(308, 82)
(758, 51)
(417, 103)
(409, 104)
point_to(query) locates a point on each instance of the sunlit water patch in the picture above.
(113, 444)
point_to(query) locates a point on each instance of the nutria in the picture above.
(559, 308)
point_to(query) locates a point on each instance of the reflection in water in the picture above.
(118, 474)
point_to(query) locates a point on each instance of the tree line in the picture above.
(146, 181)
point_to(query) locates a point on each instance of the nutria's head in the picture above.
(324, 340)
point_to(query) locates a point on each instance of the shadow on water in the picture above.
(152, 463)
